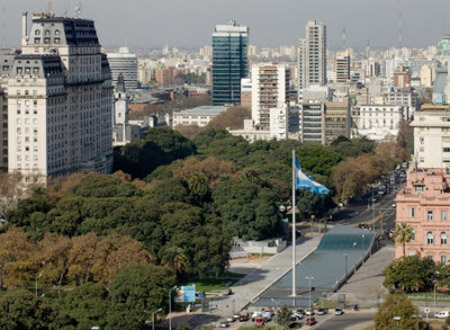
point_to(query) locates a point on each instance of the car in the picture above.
(441, 315)
(243, 318)
(297, 316)
(300, 310)
(322, 311)
(338, 311)
(311, 320)
(224, 324)
(309, 312)
(230, 319)
(260, 321)
(236, 316)
(266, 315)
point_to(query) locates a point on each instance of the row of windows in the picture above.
(430, 238)
(430, 214)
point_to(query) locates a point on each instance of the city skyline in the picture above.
(163, 20)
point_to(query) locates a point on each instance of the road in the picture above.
(346, 321)
(382, 213)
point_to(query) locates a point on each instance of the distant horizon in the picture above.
(172, 22)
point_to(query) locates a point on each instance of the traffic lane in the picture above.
(341, 322)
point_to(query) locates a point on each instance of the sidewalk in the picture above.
(259, 280)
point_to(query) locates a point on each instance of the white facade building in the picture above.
(270, 90)
(279, 123)
(59, 100)
(200, 116)
(432, 136)
(378, 122)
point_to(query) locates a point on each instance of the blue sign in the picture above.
(188, 293)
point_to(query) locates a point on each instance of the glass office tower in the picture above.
(230, 63)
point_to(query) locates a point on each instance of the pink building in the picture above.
(424, 205)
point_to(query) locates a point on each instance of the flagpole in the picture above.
(294, 208)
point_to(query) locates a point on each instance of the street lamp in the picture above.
(153, 316)
(346, 264)
(276, 312)
(363, 236)
(309, 278)
(170, 306)
(36, 283)
(397, 318)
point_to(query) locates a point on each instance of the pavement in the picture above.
(260, 279)
(347, 321)
(365, 287)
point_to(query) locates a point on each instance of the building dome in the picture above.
(443, 47)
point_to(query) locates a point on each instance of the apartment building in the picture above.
(59, 100)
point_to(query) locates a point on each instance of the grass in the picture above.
(210, 284)
(370, 327)
(232, 275)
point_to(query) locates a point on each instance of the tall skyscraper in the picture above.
(230, 63)
(312, 56)
(59, 100)
(124, 63)
(270, 90)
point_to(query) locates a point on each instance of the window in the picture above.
(443, 238)
(430, 238)
(422, 140)
(430, 215)
(413, 235)
(444, 260)
(411, 212)
(419, 190)
(443, 215)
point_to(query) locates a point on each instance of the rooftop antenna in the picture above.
(400, 34)
(4, 26)
(344, 40)
(50, 6)
(79, 10)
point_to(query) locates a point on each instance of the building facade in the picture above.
(200, 116)
(343, 67)
(270, 90)
(432, 136)
(6, 64)
(124, 63)
(59, 100)
(379, 122)
(424, 205)
(312, 56)
(337, 120)
(230, 63)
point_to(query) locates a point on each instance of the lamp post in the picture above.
(170, 306)
(36, 283)
(276, 312)
(153, 317)
(397, 319)
(309, 278)
(363, 236)
(346, 264)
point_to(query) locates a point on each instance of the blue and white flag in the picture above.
(304, 181)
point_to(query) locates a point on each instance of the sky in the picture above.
(189, 23)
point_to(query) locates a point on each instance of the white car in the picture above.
(297, 315)
(267, 316)
(338, 311)
(441, 314)
(310, 312)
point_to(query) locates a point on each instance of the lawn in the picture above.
(210, 284)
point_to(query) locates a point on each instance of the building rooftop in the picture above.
(434, 107)
(204, 110)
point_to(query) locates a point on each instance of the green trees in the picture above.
(248, 210)
(397, 305)
(283, 316)
(175, 258)
(161, 146)
(403, 234)
(410, 274)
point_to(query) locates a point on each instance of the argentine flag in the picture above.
(304, 181)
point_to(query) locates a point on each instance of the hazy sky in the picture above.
(189, 23)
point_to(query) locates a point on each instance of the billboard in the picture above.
(186, 294)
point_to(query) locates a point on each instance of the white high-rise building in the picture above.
(59, 100)
(270, 89)
(432, 136)
(312, 56)
(124, 63)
